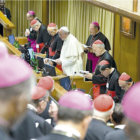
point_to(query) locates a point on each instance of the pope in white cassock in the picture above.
(71, 53)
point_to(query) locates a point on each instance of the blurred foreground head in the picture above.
(76, 109)
(131, 107)
(16, 82)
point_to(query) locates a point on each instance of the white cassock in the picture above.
(71, 56)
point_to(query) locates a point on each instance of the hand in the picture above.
(90, 50)
(51, 63)
(58, 61)
(53, 110)
(27, 32)
(88, 76)
(46, 60)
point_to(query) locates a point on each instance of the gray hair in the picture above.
(25, 87)
(102, 46)
(132, 129)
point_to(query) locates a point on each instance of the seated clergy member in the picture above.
(15, 89)
(73, 117)
(112, 86)
(30, 33)
(103, 107)
(33, 126)
(48, 84)
(118, 120)
(125, 81)
(41, 102)
(131, 105)
(43, 38)
(71, 53)
(99, 81)
(95, 34)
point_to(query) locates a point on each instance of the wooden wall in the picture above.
(127, 51)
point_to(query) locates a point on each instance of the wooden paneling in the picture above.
(126, 51)
(113, 8)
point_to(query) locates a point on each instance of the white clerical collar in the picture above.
(67, 129)
(122, 126)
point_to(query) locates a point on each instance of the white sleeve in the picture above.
(69, 61)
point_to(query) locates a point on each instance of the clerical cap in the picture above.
(65, 29)
(13, 70)
(52, 26)
(38, 93)
(124, 77)
(98, 42)
(96, 24)
(76, 100)
(32, 13)
(131, 103)
(46, 83)
(103, 105)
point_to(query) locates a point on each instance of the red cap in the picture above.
(103, 103)
(38, 93)
(103, 62)
(98, 42)
(124, 77)
(52, 25)
(34, 21)
(46, 83)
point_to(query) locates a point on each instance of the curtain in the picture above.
(77, 15)
(19, 9)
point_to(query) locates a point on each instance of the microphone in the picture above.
(90, 90)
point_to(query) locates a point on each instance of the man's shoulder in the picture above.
(100, 125)
(43, 27)
(4, 136)
(107, 56)
(101, 35)
(97, 130)
(116, 135)
(55, 137)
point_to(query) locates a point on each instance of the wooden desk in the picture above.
(11, 48)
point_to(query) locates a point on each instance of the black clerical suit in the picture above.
(117, 134)
(4, 135)
(43, 37)
(32, 126)
(91, 40)
(98, 80)
(45, 114)
(56, 46)
(57, 137)
(33, 33)
(113, 88)
(97, 130)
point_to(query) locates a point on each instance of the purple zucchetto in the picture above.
(13, 70)
(32, 13)
(76, 100)
(131, 103)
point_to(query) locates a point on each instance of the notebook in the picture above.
(11, 39)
